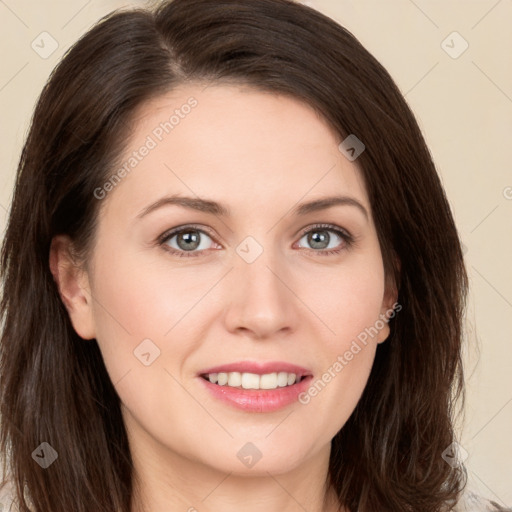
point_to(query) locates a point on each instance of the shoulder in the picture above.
(7, 503)
(8, 500)
(472, 502)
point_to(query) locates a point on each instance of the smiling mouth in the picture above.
(245, 380)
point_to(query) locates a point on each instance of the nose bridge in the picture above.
(260, 300)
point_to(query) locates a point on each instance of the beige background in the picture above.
(464, 107)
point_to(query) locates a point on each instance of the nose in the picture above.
(261, 302)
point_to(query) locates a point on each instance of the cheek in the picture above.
(128, 308)
(141, 307)
(350, 306)
(348, 299)
(347, 362)
(145, 297)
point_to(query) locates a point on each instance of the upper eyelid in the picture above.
(178, 229)
(327, 227)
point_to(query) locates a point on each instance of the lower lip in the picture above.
(258, 400)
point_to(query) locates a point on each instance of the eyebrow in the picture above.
(329, 202)
(214, 208)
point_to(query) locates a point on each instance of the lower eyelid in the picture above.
(343, 246)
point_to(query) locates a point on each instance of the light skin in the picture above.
(260, 155)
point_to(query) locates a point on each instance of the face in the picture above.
(242, 278)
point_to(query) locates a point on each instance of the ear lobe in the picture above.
(73, 286)
(384, 323)
(387, 311)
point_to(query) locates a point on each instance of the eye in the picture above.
(186, 241)
(190, 241)
(325, 239)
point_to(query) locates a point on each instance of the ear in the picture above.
(390, 305)
(73, 285)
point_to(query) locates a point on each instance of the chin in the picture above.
(259, 459)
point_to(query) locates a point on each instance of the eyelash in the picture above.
(347, 238)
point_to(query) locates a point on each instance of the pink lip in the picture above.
(258, 400)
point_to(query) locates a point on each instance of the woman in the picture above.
(231, 276)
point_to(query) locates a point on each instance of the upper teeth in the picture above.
(253, 380)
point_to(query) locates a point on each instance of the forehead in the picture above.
(236, 144)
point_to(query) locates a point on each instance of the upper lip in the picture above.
(257, 367)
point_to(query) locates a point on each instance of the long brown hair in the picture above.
(54, 386)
